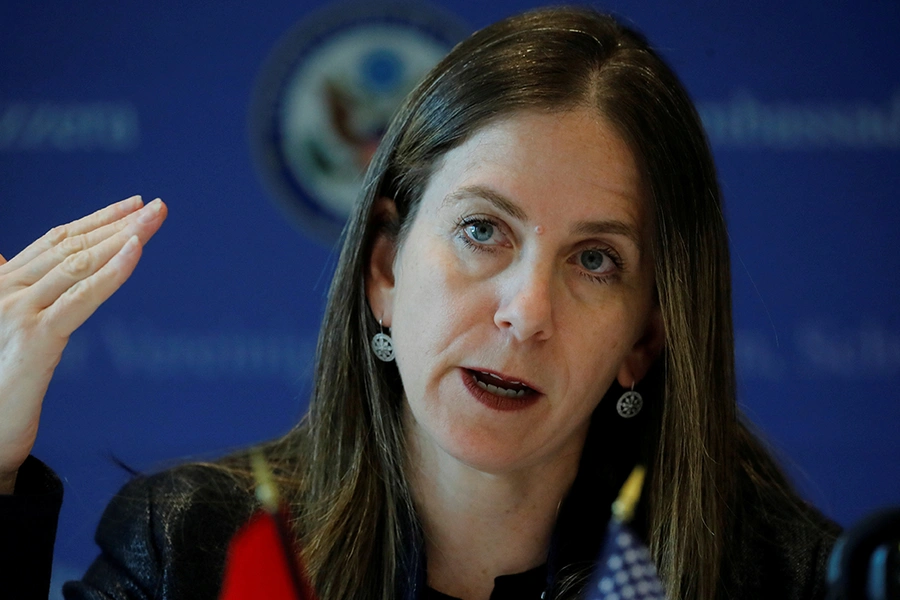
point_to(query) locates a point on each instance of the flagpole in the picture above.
(623, 507)
(267, 494)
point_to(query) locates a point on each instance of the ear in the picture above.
(645, 351)
(380, 273)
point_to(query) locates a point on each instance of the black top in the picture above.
(522, 586)
(165, 537)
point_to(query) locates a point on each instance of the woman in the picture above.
(540, 232)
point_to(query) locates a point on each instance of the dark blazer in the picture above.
(165, 537)
(27, 532)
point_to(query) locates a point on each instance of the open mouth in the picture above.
(499, 386)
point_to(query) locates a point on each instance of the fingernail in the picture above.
(131, 203)
(150, 212)
(131, 245)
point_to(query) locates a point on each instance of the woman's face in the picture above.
(523, 288)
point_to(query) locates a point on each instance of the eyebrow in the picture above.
(504, 204)
(499, 201)
(592, 228)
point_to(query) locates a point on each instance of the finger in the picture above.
(102, 217)
(144, 223)
(2, 260)
(85, 263)
(79, 302)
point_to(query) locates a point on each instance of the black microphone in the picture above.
(865, 561)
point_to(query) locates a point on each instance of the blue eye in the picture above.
(593, 260)
(481, 232)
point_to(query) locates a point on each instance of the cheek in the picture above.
(597, 343)
(434, 289)
(424, 305)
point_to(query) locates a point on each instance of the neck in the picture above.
(480, 525)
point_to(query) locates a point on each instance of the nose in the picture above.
(525, 308)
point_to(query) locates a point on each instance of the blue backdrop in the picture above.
(209, 346)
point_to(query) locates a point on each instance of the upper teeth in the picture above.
(498, 377)
(499, 390)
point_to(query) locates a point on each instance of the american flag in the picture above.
(625, 569)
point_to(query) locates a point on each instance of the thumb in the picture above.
(2, 260)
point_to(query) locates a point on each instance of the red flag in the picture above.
(262, 563)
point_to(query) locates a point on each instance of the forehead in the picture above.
(558, 165)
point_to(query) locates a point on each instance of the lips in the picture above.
(501, 385)
(500, 392)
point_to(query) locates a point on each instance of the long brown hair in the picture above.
(345, 461)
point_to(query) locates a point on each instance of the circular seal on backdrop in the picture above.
(325, 96)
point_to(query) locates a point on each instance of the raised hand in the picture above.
(46, 292)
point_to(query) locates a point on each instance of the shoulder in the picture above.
(166, 535)
(193, 498)
(784, 542)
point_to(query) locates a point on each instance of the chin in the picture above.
(486, 451)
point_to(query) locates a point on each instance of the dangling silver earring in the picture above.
(383, 345)
(630, 403)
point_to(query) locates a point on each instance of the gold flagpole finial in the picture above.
(623, 507)
(266, 491)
